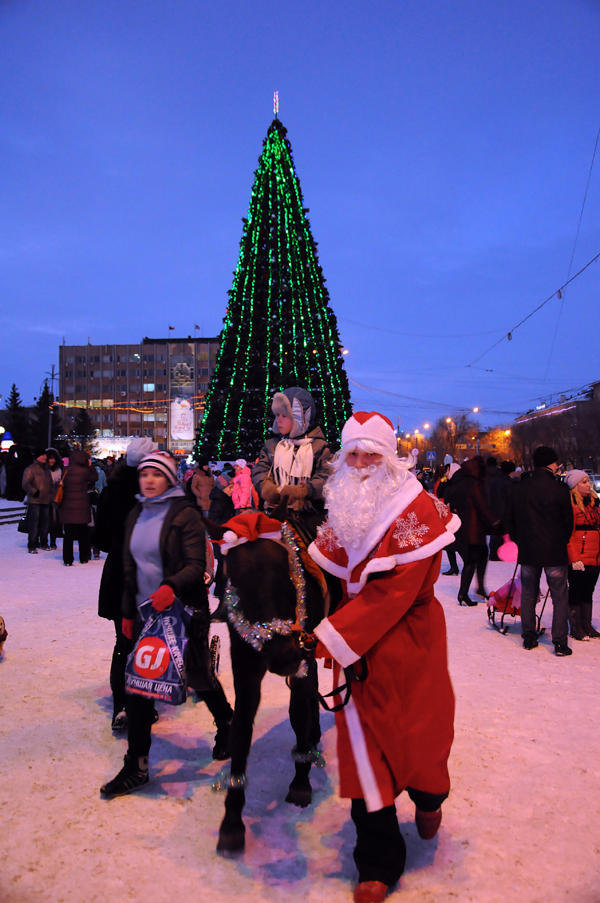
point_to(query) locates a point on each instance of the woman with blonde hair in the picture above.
(584, 554)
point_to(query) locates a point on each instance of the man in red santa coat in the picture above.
(384, 538)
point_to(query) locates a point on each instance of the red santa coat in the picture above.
(397, 729)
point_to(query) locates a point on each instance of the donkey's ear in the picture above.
(280, 512)
(215, 531)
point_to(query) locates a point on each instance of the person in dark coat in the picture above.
(19, 458)
(56, 471)
(114, 505)
(75, 511)
(491, 472)
(500, 489)
(37, 483)
(540, 521)
(466, 497)
(295, 463)
(164, 557)
(451, 550)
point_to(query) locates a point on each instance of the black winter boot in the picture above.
(221, 750)
(575, 623)
(586, 621)
(133, 776)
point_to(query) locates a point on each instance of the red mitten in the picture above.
(162, 598)
(127, 627)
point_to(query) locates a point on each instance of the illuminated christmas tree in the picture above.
(279, 330)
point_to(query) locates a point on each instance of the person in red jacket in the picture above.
(584, 555)
(384, 538)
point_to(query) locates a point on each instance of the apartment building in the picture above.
(155, 388)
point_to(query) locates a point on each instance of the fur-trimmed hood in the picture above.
(299, 406)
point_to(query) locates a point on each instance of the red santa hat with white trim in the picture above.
(370, 426)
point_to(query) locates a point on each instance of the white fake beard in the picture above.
(354, 499)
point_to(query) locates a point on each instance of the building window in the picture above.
(94, 374)
(107, 359)
(148, 417)
(82, 389)
(122, 373)
(160, 357)
(95, 359)
(134, 387)
(68, 374)
(161, 417)
(108, 373)
(133, 372)
(149, 373)
(69, 360)
(81, 359)
(148, 387)
(108, 417)
(69, 388)
(161, 387)
(148, 357)
(149, 433)
(80, 373)
(121, 418)
(107, 388)
(134, 358)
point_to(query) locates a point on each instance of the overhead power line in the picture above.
(557, 294)
(421, 335)
(562, 302)
(436, 404)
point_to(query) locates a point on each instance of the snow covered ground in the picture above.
(521, 824)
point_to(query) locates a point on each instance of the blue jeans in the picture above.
(38, 519)
(530, 588)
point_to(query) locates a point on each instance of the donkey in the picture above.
(263, 610)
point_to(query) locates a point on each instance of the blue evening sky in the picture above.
(443, 147)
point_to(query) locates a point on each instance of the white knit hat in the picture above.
(138, 449)
(162, 462)
(371, 426)
(574, 477)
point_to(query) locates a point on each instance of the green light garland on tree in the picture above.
(279, 330)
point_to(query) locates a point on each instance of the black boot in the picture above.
(133, 776)
(575, 623)
(586, 621)
(466, 599)
(221, 749)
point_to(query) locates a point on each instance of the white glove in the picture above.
(578, 566)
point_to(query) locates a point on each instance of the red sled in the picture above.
(507, 601)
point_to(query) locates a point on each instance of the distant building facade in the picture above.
(156, 388)
(578, 403)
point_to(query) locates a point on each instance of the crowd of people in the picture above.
(555, 523)
(377, 532)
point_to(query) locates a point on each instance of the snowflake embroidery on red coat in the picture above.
(442, 508)
(327, 539)
(409, 532)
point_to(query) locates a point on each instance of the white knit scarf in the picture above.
(293, 461)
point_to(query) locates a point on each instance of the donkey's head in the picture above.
(260, 573)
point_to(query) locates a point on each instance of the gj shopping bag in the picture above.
(155, 669)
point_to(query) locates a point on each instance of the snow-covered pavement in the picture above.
(521, 824)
